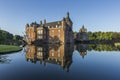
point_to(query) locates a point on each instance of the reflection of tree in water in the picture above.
(102, 47)
(4, 59)
(54, 39)
(82, 48)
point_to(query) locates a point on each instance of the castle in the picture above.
(82, 35)
(52, 32)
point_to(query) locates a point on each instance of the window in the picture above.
(32, 35)
(29, 35)
(40, 37)
(52, 49)
(40, 32)
(59, 35)
(53, 31)
(40, 49)
(59, 50)
(59, 31)
(52, 54)
(41, 54)
(49, 38)
(52, 35)
(60, 27)
(44, 31)
(59, 55)
(44, 36)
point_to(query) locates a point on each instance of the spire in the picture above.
(67, 15)
(83, 27)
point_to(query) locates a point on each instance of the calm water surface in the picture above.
(62, 62)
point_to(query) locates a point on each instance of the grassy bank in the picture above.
(9, 49)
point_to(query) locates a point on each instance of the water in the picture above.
(62, 62)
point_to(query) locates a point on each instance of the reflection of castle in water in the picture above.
(82, 49)
(54, 54)
(61, 54)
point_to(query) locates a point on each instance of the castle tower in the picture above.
(82, 35)
(31, 32)
(63, 22)
(83, 29)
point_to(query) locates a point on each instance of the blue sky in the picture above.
(96, 15)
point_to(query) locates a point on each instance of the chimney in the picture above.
(40, 22)
(45, 21)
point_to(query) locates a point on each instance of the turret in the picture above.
(68, 20)
(27, 25)
(67, 16)
(83, 29)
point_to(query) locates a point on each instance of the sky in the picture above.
(95, 15)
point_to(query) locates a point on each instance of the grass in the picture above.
(9, 48)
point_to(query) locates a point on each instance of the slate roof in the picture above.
(34, 23)
(53, 24)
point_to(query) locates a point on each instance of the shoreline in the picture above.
(7, 49)
(9, 52)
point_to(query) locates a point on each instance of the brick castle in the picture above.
(51, 32)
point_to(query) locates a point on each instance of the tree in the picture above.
(8, 38)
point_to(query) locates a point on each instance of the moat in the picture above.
(62, 62)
